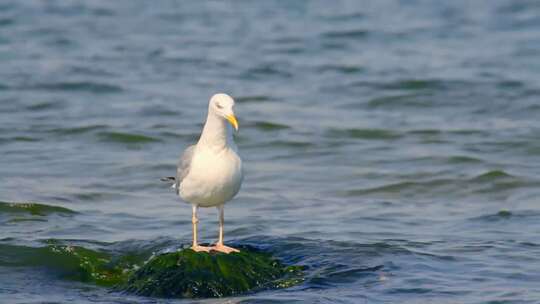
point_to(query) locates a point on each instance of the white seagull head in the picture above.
(223, 105)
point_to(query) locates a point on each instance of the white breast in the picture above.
(214, 177)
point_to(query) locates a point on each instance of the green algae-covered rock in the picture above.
(189, 274)
(178, 274)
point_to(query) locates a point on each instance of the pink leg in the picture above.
(219, 246)
(194, 220)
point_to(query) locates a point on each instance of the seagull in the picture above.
(209, 173)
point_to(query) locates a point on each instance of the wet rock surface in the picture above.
(189, 274)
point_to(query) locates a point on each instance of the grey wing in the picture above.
(184, 164)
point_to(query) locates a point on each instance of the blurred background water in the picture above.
(391, 146)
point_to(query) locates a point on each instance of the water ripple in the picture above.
(126, 138)
(81, 86)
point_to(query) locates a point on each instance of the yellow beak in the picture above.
(232, 119)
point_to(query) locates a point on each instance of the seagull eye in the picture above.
(219, 106)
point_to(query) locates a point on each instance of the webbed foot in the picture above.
(199, 248)
(224, 249)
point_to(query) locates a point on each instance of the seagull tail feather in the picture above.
(169, 179)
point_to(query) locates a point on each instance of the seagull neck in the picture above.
(215, 133)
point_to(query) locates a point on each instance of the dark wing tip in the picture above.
(168, 179)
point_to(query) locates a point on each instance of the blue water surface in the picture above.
(392, 147)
